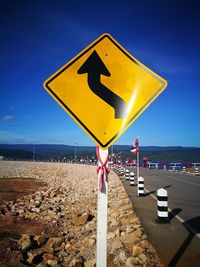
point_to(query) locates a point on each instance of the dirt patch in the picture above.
(11, 227)
(13, 188)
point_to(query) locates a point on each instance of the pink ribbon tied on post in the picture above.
(103, 169)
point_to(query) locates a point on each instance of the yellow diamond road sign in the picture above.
(104, 89)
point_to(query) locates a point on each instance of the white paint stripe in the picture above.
(192, 230)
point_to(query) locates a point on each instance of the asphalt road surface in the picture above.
(177, 242)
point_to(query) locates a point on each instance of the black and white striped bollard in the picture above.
(120, 167)
(140, 191)
(184, 169)
(196, 171)
(127, 174)
(132, 178)
(121, 171)
(162, 203)
(117, 167)
(124, 173)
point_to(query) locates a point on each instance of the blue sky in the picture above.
(38, 37)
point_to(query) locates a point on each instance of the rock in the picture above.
(124, 207)
(91, 241)
(110, 261)
(130, 262)
(80, 220)
(144, 237)
(50, 259)
(34, 253)
(110, 235)
(19, 211)
(37, 210)
(127, 220)
(53, 194)
(39, 239)
(90, 263)
(25, 242)
(69, 205)
(138, 233)
(68, 245)
(128, 238)
(77, 262)
(41, 264)
(122, 256)
(30, 215)
(144, 244)
(62, 246)
(129, 229)
(12, 208)
(117, 233)
(137, 250)
(68, 260)
(116, 244)
(37, 203)
(142, 257)
(114, 222)
(53, 244)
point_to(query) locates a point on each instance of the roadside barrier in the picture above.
(162, 203)
(132, 178)
(140, 189)
(184, 170)
(196, 171)
(121, 171)
(127, 174)
(124, 173)
(117, 168)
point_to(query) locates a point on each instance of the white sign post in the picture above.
(81, 80)
(102, 205)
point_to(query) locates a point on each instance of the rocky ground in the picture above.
(56, 224)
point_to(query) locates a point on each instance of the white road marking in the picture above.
(192, 230)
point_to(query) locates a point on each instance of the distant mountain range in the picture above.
(44, 152)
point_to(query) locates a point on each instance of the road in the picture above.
(178, 242)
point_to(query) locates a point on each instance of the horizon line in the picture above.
(80, 145)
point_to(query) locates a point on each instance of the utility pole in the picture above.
(33, 152)
(75, 151)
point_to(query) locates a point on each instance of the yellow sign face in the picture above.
(104, 89)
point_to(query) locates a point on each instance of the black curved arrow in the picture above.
(94, 66)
